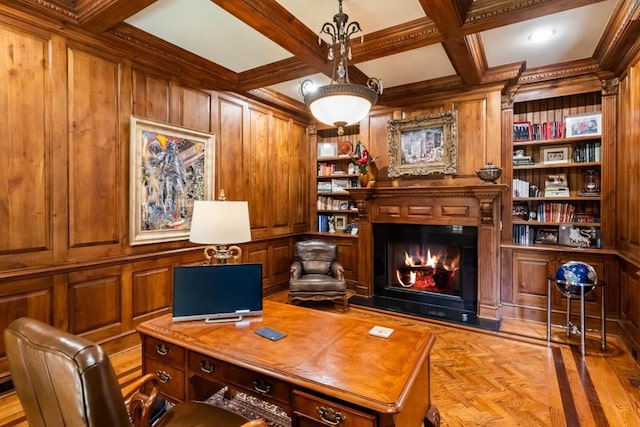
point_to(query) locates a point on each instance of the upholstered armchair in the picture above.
(316, 274)
(65, 380)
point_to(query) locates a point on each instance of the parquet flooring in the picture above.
(481, 378)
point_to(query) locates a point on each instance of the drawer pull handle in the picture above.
(164, 377)
(330, 416)
(162, 349)
(207, 366)
(261, 386)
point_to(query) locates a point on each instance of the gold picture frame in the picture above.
(170, 168)
(424, 145)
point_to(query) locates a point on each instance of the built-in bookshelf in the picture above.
(556, 172)
(336, 212)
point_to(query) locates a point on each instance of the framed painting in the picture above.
(556, 154)
(589, 124)
(170, 168)
(424, 145)
(522, 131)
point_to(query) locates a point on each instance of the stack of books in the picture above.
(556, 186)
(521, 159)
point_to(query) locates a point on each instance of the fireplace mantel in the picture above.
(472, 205)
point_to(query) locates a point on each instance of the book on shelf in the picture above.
(326, 169)
(324, 187)
(523, 234)
(548, 130)
(522, 161)
(556, 192)
(555, 212)
(520, 188)
(587, 152)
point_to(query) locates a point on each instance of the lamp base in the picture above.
(222, 253)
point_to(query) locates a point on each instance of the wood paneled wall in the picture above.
(65, 256)
(479, 136)
(628, 205)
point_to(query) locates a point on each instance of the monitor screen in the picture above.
(213, 292)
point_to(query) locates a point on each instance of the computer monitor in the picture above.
(223, 292)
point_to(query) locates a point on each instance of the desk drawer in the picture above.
(309, 408)
(207, 367)
(259, 385)
(164, 352)
(171, 378)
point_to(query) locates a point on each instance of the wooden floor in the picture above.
(481, 378)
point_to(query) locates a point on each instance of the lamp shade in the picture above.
(220, 222)
(341, 104)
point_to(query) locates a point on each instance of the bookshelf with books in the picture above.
(561, 200)
(556, 170)
(335, 212)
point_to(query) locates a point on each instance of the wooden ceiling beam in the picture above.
(449, 16)
(399, 38)
(98, 16)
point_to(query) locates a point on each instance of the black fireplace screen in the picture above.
(434, 264)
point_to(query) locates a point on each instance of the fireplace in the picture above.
(434, 265)
(433, 251)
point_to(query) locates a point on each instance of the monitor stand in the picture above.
(224, 320)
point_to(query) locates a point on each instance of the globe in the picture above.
(573, 275)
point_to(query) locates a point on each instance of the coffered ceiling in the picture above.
(265, 48)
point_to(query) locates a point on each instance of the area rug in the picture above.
(250, 407)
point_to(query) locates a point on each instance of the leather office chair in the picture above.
(316, 274)
(65, 380)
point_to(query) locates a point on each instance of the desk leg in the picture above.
(548, 309)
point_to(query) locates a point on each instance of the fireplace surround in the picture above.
(469, 212)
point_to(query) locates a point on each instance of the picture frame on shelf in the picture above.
(546, 236)
(423, 145)
(340, 222)
(170, 168)
(556, 154)
(580, 125)
(520, 210)
(340, 185)
(522, 131)
(327, 150)
(352, 229)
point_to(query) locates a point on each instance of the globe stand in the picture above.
(570, 326)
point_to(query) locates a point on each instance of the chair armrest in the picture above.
(337, 270)
(139, 404)
(255, 423)
(295, 270)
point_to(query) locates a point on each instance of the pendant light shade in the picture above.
(340, 103)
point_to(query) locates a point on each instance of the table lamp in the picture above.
(219, 224)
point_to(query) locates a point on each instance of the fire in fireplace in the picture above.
(433, 271)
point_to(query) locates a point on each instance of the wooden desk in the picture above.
(326, 361)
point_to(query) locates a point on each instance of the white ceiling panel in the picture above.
(205, 29)
(372, 16)
(577, 32)
(412, 66)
